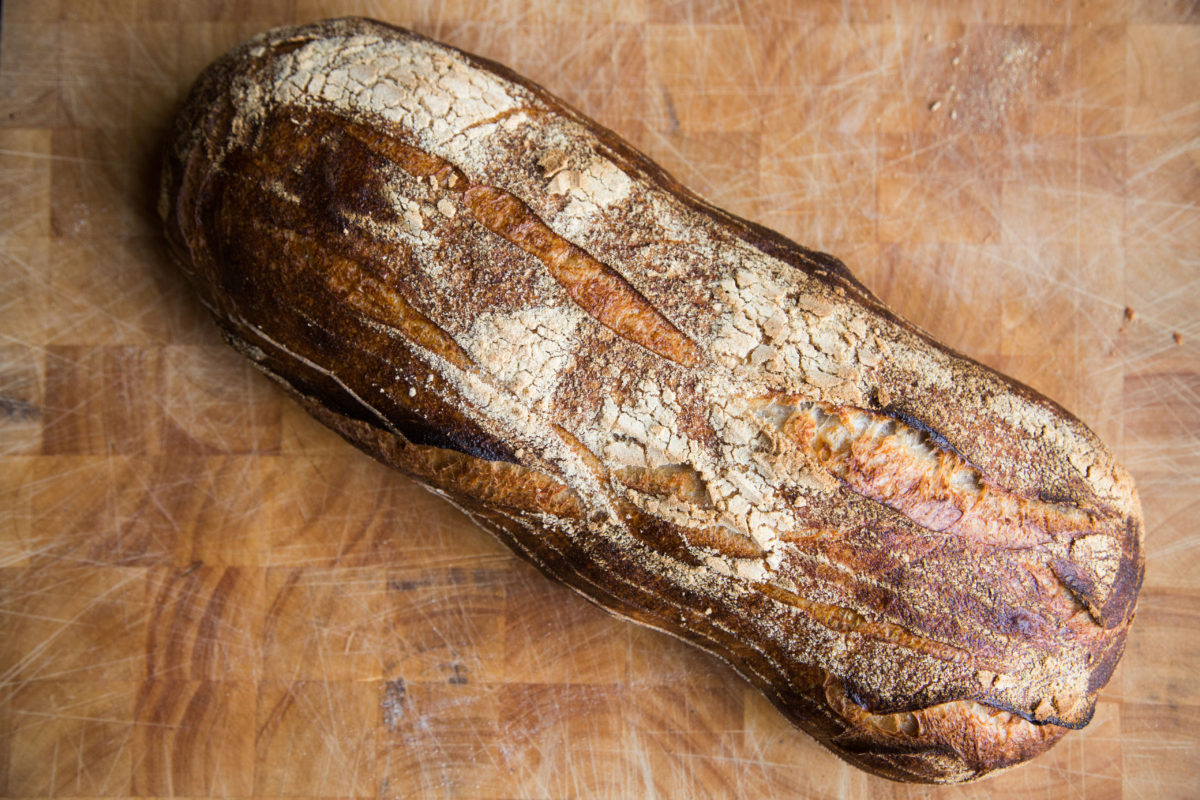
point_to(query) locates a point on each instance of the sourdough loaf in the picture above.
(696, 423)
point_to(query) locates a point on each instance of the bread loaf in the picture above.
(696, 423)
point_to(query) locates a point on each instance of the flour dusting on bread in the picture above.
(690, 420)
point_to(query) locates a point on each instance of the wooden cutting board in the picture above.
(204, 593)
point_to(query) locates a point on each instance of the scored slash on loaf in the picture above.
(691, 420)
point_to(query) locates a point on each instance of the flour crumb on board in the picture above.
(392, 703)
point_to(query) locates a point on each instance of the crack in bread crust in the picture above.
(692, 421)
(596, 288)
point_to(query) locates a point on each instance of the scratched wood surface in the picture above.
(204, 593)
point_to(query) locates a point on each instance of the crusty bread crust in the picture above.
(693, 421)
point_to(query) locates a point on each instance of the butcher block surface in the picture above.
(204, 593)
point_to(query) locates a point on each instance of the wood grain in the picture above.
(203, 592)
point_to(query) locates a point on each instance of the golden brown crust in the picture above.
(694, 422)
